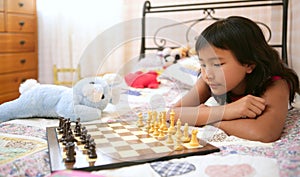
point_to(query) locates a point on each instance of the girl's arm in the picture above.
(197, 95)
(268, 126)
(190, 108)
(248, 106)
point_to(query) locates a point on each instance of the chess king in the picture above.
(85, 100)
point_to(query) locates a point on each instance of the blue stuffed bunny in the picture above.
(85, 100)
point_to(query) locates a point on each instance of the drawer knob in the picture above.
(23, 61)
(22, 42)
(21, 23)
(21, 4)
(23, 80)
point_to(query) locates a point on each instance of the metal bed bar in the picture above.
(212, 6)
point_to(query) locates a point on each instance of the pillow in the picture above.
(184, 73)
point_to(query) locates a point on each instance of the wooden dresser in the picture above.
(18, 46)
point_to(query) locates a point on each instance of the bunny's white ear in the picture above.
(27, 85)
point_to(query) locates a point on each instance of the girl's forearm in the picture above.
(200, 115)
(248, 129)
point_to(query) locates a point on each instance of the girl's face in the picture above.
(222, 72)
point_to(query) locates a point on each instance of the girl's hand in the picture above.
(247, 107)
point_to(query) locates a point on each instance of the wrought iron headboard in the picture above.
(209, 9)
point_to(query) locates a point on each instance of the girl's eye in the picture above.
(202, 65)
(218, 64)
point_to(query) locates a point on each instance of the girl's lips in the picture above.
(214, 85)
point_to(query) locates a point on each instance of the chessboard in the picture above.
(89, 147)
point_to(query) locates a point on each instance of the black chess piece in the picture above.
(87, 141)
(92, 150)
(68, 124)
(70, 153)
(69, 138)
(77, 129)
(83, 135)
(61, 123)
(63, 131)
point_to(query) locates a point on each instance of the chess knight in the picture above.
(85, 100)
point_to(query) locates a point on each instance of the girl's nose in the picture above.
(209, 74)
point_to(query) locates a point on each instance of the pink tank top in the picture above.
(234, 97)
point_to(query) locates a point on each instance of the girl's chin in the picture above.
(218, 92)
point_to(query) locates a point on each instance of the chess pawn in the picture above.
(152, 123)
(163, 125)
(161, 135)
(92, 150)
(148, 127)
(170, 138)
(154, 116)
(178, 132)
(156, 132)
(178, 146)
(83, 130)
(186, 137)
(160, 118)
(87, 142)
(140, 122)
(83, 135)
(149, 115)
(152, 127)
(149, 119)
(77, 129)
(194, 140)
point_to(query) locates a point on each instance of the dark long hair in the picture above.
(246, 41)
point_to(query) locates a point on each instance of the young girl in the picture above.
(247, 78)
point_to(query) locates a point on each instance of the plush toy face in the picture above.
(93, 92)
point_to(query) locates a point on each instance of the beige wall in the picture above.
(294, 35)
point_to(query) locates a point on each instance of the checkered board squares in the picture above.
(117, 145)
(125, 140)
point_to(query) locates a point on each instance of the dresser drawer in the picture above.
(18, 62)
(11, 82)
(17, 42)
(20, 6)
(20, 23)
(2, 21)
(8, 96)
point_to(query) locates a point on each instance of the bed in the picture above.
(24, 148)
